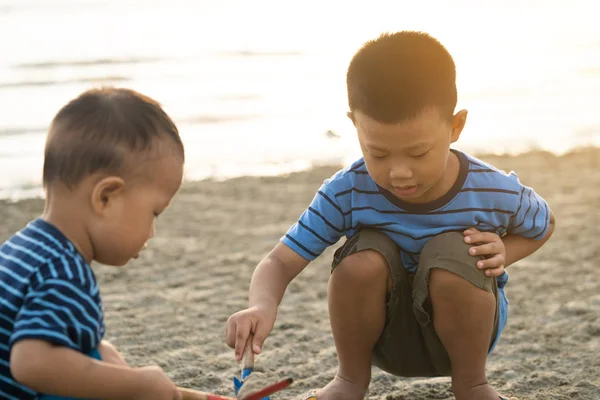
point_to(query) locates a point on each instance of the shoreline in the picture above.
(593, 152)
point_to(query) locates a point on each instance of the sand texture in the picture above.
(170, 306)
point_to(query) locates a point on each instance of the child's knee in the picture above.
(449, 245)
(443, 277)
(446, 261)
(444, 281)
(362, 269)
(110, 354)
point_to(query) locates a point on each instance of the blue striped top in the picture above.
(48, 292)
(483, 197)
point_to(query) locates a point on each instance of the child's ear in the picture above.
(458, 123)
(105, 192)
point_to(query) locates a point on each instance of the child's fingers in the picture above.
(484, 249)
(230, 333)
(470, 231)
(480, 237)
(260, 335)
(492, 262)
(242, 332)
(495, 272)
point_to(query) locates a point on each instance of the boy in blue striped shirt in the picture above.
(417, 289)
(113, 162)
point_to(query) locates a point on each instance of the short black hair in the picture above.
(398, 75)
(99, 129)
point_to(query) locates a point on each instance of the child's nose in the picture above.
(400, 172)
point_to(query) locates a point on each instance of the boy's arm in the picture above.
(518, 246)
(267, 287)
(273, 274)
(531, 225)
(320, 226)
(61, 371)
(529, 228)
(58, 324)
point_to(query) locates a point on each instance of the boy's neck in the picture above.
(64, 211)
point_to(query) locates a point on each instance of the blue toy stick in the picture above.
(247, 367)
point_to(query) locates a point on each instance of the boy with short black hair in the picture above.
(418, 287)
(113, 162)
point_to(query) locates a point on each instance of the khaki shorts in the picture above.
(408, 345)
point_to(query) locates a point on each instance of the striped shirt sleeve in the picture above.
(532, 217)
(60, 308)
(321, 225)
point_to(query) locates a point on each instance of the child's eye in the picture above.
(378, 157)
(420, 154)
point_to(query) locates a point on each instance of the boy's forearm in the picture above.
(65, 372)
(518, 247)
(268, 283)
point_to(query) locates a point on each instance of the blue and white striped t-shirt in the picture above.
(482, 197)
(48, 292)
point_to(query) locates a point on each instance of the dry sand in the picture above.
(170, 306)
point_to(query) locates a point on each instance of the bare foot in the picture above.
(479, 392)
(340, 388)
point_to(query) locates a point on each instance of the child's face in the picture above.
(409, 158)
(128, 223)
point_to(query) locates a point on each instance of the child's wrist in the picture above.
(264, 303)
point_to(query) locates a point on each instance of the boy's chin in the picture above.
(417, 195)
(406, 192)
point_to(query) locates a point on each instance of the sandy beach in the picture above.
(170, 306)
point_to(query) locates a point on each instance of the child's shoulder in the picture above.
(38, 236)
(352, 176)
(484, 174)
(40, 248)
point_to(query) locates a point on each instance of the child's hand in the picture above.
(258, 320)
(489, 245)
(156, 385)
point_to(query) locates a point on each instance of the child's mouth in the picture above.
(405, 191)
